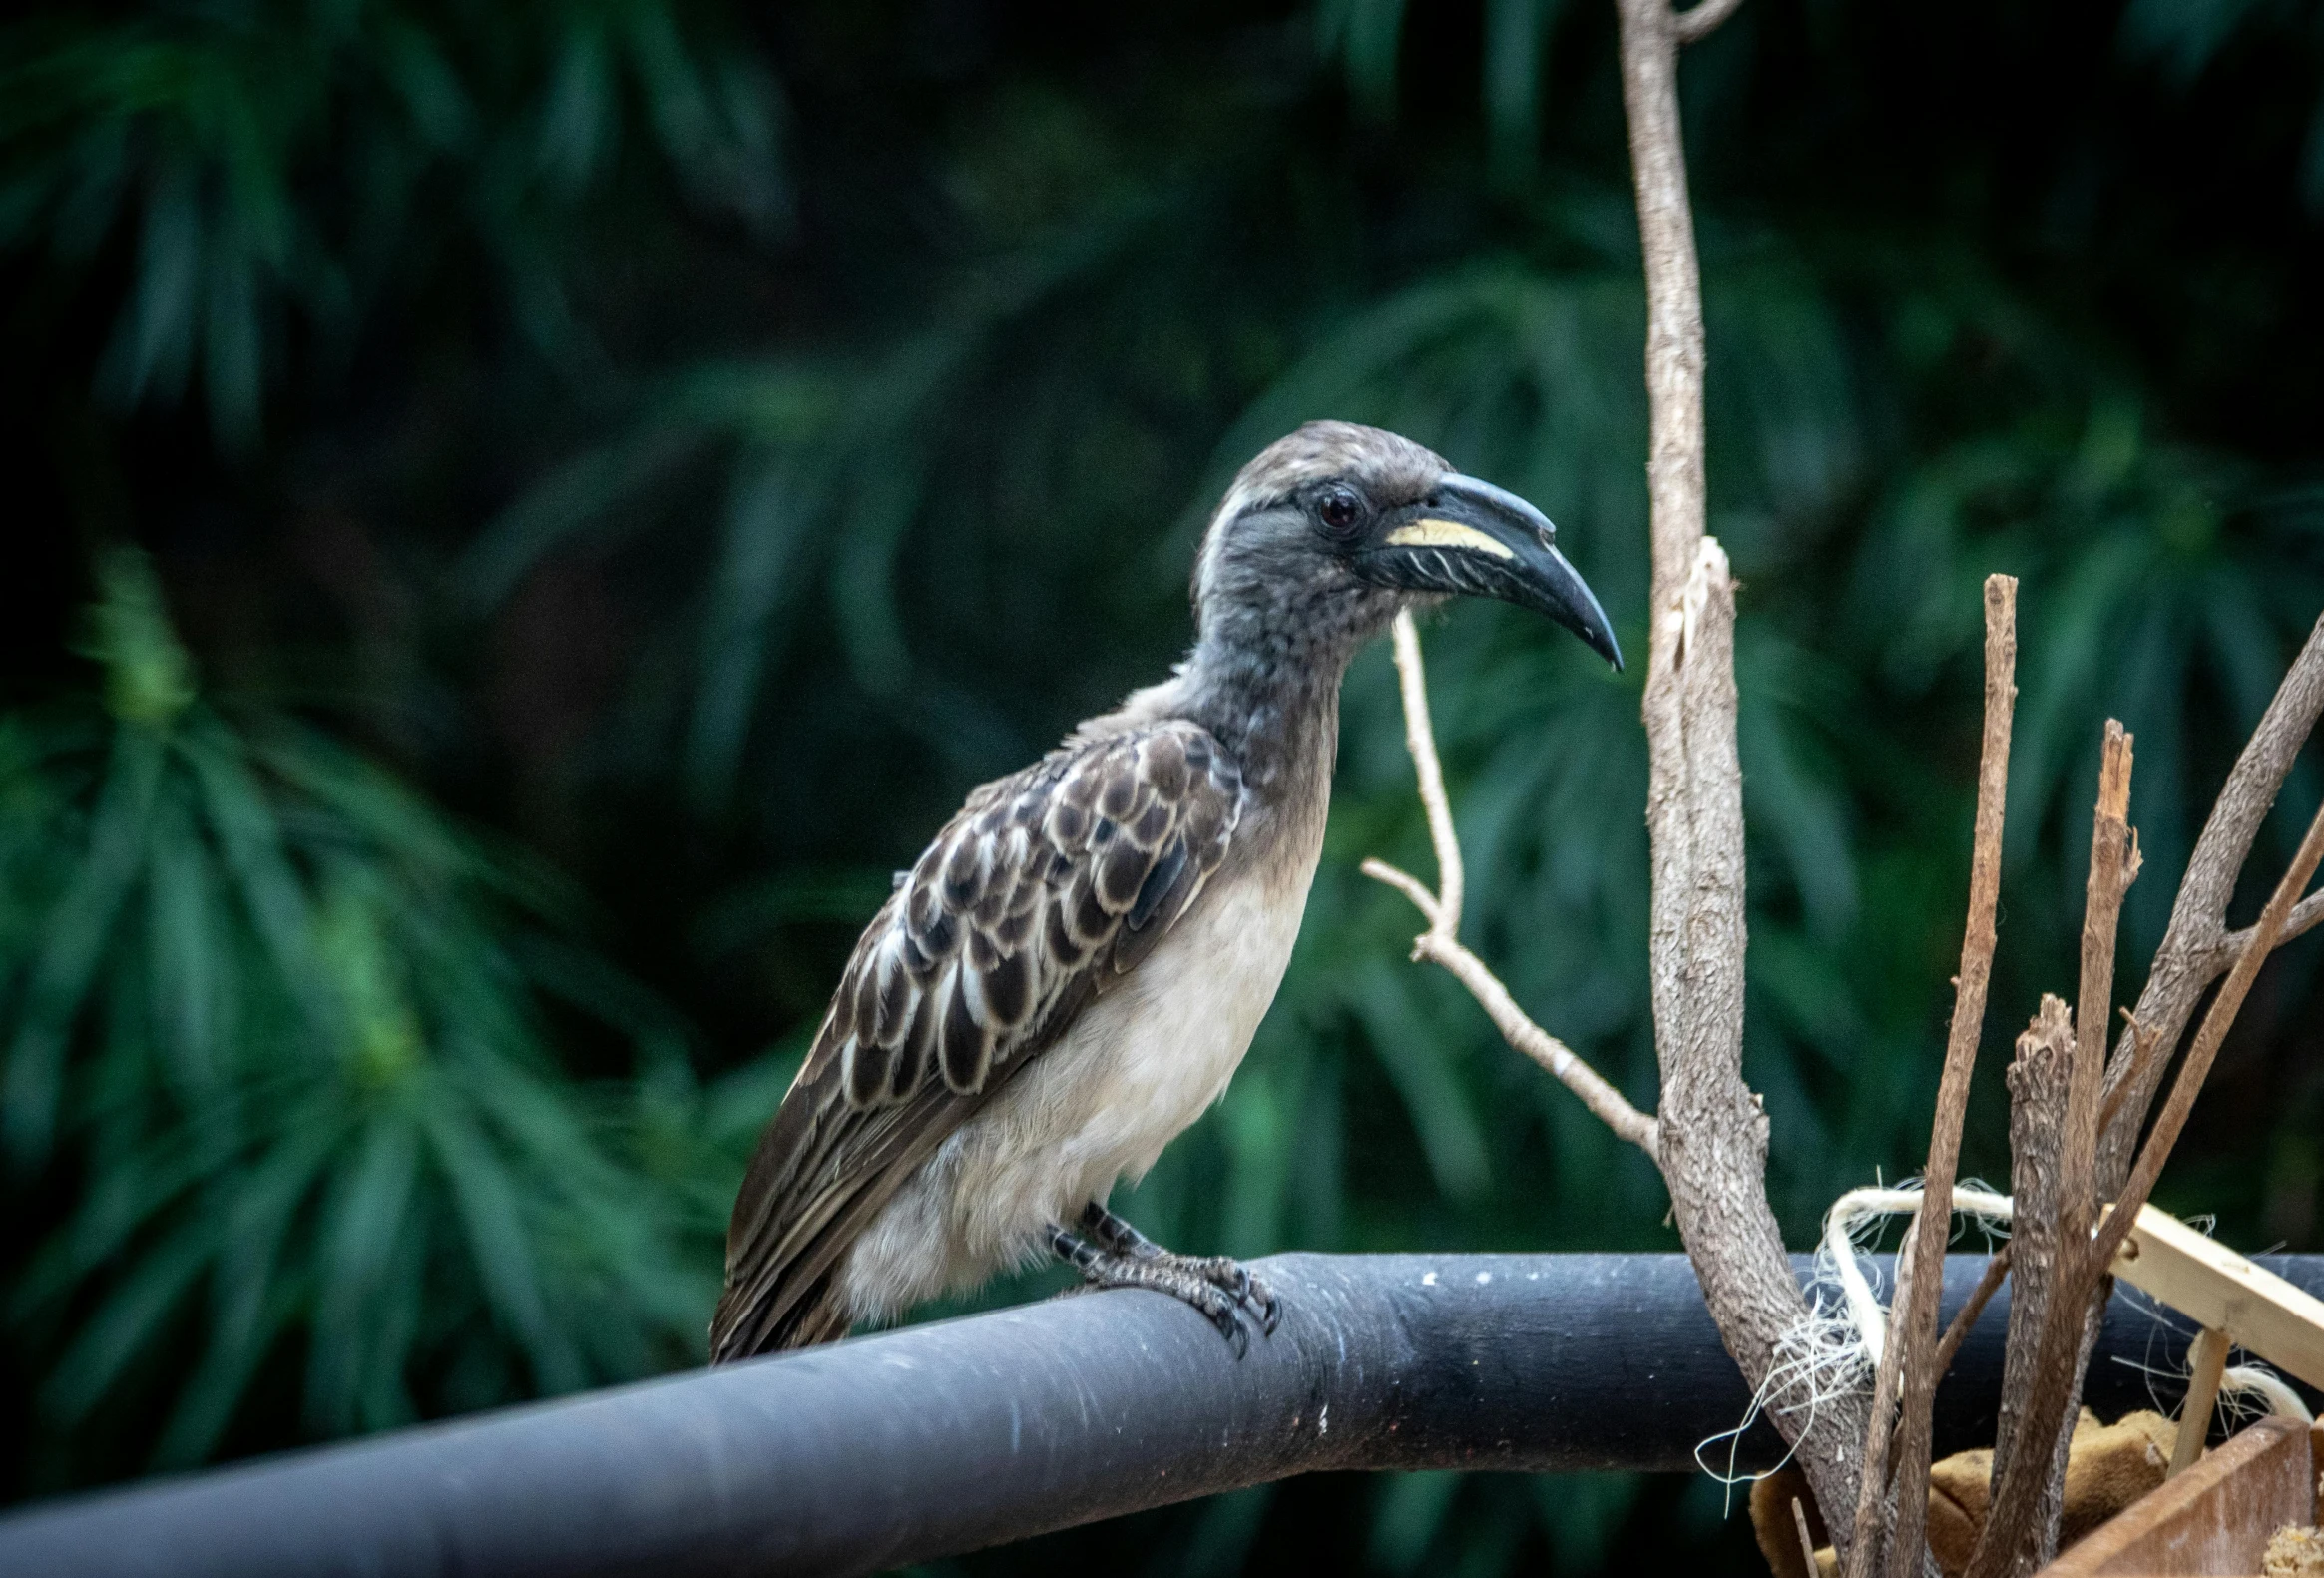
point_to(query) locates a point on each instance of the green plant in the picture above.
(285, 1029)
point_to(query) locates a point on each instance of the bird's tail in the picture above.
(815, 1316)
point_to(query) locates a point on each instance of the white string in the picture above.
(1852, 1219)
(2258, 1380)
(1836, 1349)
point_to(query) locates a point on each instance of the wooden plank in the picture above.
(2208, 1366)
(2223, 1291)
(2218, 1518)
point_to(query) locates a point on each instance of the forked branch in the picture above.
(1441, 944)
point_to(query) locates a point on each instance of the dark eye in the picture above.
(1339, 509)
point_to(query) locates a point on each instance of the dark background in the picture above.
(522, 515)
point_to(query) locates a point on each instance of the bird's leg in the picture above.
(1218, 1270)
(1103, 1268)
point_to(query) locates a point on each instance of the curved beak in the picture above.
(1473, 539)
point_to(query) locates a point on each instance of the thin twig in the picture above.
(2303, 920)
(2192, 956)
(1700, 21)
(1420, 740)
(2216, 1023)
(1917, 1332)
(1875, 1505)
(1441, 943)
(2017, 1528)
(1606, 1103)
(2110, 873)
(1997, 1270)
(1807, 1541)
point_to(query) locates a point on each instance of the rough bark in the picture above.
(2038, 1080)
(1713, 1134)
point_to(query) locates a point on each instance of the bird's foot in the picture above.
(1228, 1275)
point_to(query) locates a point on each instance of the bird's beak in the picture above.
(1472, 538)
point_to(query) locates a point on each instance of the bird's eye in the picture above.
(1339, 509)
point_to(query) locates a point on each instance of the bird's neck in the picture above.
(1273, 702)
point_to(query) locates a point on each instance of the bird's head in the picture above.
(1328, 533)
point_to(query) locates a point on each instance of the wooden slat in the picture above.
(2206, 1367)
(2218, 1518)
(2223, 1291)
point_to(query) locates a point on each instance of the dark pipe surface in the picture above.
(947, 1438)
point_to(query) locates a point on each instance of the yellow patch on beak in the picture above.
(1448, 534)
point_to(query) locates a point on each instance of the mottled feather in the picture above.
(1047, 887)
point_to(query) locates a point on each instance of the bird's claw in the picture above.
(1221, 1288)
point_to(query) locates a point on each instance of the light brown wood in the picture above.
(2222, 1292)
(2218, 1518)
(2207, 1364)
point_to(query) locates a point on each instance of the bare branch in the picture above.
(1875, 1503)
(2216, 1021)
(1409, 886)
(1807, 1541)
(2038, 1081)
(1441, 943)
(1997, 1270)
(1714, 1136)
(2191, 955)
(1604, 1102)
(2111, 870)
(2302, 921)
(1700, 21)
(2082, 1260)
(1420, 740)
(1917, 1330)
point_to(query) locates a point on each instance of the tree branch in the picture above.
(1713, 1137)
(1441, 943)
(1700, 21)
(2216, 1023)
(2195, 948)
(1914, 1335)
(1996, 1269)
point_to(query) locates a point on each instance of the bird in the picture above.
(1070, 974)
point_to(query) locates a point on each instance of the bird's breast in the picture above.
(1141, 1063)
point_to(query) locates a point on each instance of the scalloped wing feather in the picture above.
(1047, 887)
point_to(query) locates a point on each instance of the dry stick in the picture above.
(2196, 948)
(1712, 1144)
(2020, 1528)
(1700, 21)
(2197, 1066)
(1875, 1505)
(2038, 1079)
(2110, 873)
(1917, 1330)
(2302, 921)
(1996, 1269)
(1420, 740)
(2013, 1495)
(1441, 944)
(1807, 1541)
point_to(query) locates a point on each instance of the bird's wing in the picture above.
(1048, 887)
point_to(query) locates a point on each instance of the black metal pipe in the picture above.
(952, 1436)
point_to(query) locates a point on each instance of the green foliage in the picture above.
(281, 161)
(286, 1027)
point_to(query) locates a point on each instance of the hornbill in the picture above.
(1069, 975)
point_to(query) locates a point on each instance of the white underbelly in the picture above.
(1138, 1065)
